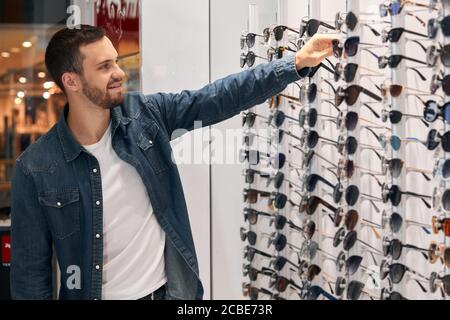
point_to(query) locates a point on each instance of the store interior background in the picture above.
(183, 45)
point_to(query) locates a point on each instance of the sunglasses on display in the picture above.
(277, 52)
(249, 235)
(395, 116)
(442, 169)
(393, 61)
(249, 39)
(351, 21)
(277, 32)
(348, 72)
(349, 47)
(394, 195)
(349, 239)
(395, 34)
(397, 271)
(434, 24)
(249, 59)
(251, 195)
(433, 53)
(394, 248)
(250, 252)
(251, 215)
(252, 273)
(311, 26)
(442, 282)
(440, 224)
(438, 82)
(351, 94)
(396, 165)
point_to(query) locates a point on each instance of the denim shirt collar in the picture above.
(70, 146)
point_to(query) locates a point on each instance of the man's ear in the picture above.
(71, 81)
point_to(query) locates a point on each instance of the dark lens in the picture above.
(395, 167)
(337, 50)
(394, 60)
(396, 90)
(349, 168)
(351, 20)
(252, 216)
(280, 242)
(395, 222)
(351, 120)
(313, 26)
(351, 144)
(351, 219)
(302, 29)
(432, 139)
(383, 10)
(280, 200)
(340, 261)
(446, 84)
(312, 92)
(394, 295)
(395, 195)
(354, 290)
(446, 112)
(446, 169)
(395, 116)
(281, 284)
(445, 24)
(251, 237)
(250, 59)
(337, 71)
(278, 32)
(312, 139)
(278, 161)
(445, 139)
(243, 234)
(445, 55)
(279, 263)
(432, 28)
(396, 272)
(250, 40)
(352, 94)
(351, 46)
(312, 117)
(250, 195)
(350, 72)
(278, 179)
(447, 257)
(280, 222)
(396, 249)
(311, 205)
(352, 264)
(395, 34)
(278, 118)
(350, 240)
(253, 274)
(446, 200)
(311, 182)
(351, 195)
(313, 271)
(253, 293)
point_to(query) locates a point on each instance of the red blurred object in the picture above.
(6, 250)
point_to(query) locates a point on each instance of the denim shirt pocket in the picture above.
(156, 150)
(62, 209)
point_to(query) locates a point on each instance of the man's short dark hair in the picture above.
(63, 51)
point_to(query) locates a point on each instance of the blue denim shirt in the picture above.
(57, 188)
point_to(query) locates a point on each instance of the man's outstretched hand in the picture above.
(315, 50)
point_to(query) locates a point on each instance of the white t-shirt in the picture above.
(133, 241)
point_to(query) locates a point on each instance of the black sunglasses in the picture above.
(433, 27)
(351, 94)
(395, 34)
(277, 32)
(311, 26)
(249, 59)
(249, 39)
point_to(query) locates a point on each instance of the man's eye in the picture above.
(106, 66)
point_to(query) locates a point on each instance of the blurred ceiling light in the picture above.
(23, 80)
(48, 84)
(41, 75)
(26, 44)
(46, 95)
(5, 54)
(17, 101)
(21, 94)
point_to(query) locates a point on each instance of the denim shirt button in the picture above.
(97, 203)
(97, 236)
(94, 170)
(97, 267)
(58, 204)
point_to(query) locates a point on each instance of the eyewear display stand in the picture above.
(398, 76)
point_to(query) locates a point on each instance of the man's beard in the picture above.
(101, 98)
